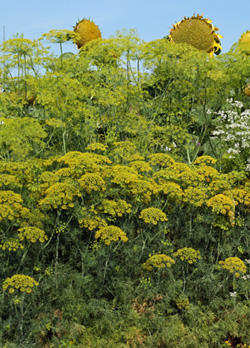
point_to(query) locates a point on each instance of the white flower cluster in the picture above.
(167, 149)
(233, 129)
(245, 277)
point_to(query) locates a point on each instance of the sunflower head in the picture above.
(244, 43)
(247, 90)
(88, 31)
(198, 32)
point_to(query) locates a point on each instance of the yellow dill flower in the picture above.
(92, 182)
(179, 168)
(96, 147)
(158, 261)
(142, 190)
(153, 215)
(45, 180)
(111, 233)
(11, 244)
(9, 180)
(194, 196)
(10, 205)
(221, 204)
(32, 233)
(190, 177)
(60, 195)
(55, 122)
(115, 208)
(207, 160)
(126, 145)
(163, 176)
(162, 159)
(240, 196)
(208, 173)
(180, 172)
(123, 175)
(234, 265)
(172, 190)
(182, 303)
(135, 157)
(92, 222)
(218, 185)
(140, 166)
(61, 35)
(187, 254)
(19, 281)
(125, 150)
(80, 163)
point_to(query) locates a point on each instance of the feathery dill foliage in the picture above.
(124, 190)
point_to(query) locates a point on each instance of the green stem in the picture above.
(64, 142)
(23, 258)
(105, 270)
(184, 281)
(61, 54)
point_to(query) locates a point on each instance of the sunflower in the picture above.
(245, 37)
(244, 43)
(88, 31)
(198, 32)
(247, 90)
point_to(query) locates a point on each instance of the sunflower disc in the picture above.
(198, 32)
(88, 31)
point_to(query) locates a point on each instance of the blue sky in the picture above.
(151, 18)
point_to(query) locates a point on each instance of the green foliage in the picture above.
(124, 214)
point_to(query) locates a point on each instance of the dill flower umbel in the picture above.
(8, 180)
(234, 265)
(10, 205)
(195, 196)
(60, 195)
(182, 303)
(20, 282)
(96, 147)
(207, 160)
(142, 190)
(32, 233)
(92, 223)
(92, 182)
(221, 204)
(171, 190)
(115, 208)
(141, 166)
(152, 215)
(158, 261)
(11, 244)
(241, 196)
(187, 254)
(161, 159)
(111, 233)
